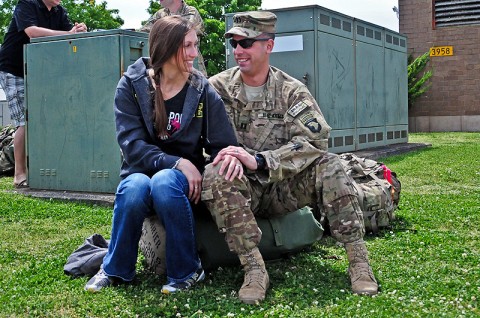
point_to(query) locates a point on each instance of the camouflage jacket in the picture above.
(287, 127)
(188, 12)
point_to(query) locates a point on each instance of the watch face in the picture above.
(261, 163)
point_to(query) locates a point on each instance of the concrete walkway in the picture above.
(106, 199)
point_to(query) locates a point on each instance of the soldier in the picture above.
(284, 139)
(179, 7)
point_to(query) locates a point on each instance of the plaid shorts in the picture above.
(14, 89)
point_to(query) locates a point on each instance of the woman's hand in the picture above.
(194, 179)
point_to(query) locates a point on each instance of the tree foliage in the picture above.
(95, 15)
(212, 43)
(418, 77)
(6, 12)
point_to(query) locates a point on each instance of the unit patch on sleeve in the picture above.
(311, 122)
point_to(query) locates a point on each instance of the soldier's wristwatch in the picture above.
(261, 162)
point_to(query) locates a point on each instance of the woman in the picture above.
(166, 116)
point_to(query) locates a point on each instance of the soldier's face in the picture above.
(254, 58)
(166, 3)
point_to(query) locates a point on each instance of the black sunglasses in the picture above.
(245, 43)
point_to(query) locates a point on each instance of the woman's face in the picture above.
(188, 52)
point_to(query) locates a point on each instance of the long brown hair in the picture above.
(165, 40)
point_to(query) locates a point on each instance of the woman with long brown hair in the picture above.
(167, 117)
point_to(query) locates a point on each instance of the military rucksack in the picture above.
(7, 161)
(281, 237)
(378, 190)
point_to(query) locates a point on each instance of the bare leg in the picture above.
(20, 156)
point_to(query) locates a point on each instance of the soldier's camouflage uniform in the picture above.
(287, 127)
(188, 12)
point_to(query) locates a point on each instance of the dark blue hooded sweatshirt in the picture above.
(205, 127)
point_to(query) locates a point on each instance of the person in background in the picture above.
(167, 116)
(284, 148)
(179, 7)
(31, 19)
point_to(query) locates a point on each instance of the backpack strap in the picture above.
(374, 223)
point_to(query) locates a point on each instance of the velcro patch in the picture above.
(299, 107)
(270, 116)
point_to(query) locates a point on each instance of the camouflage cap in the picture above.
(253, 23)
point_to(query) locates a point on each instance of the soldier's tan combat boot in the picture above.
(361, 275)
(256, 279)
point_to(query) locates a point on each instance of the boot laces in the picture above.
(360, 267)
(252, 262)
(361, 270)
(255, 275)
(254, 271)
(360, 255)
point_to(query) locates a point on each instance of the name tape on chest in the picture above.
(270, 116)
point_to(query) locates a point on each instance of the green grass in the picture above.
(427, 263)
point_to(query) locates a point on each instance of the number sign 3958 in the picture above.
(441, 51)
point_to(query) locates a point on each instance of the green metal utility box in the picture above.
(357, 72)
(70, 84)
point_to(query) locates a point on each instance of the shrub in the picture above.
(418, 77)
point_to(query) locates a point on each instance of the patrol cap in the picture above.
(252, 23)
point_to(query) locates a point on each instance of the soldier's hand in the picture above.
(232, 167)
(241, 154)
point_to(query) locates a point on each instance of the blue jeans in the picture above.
(139, 197)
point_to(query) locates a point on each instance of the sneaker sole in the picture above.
(91, 290)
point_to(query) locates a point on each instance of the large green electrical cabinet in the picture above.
(70, 84)
(357, 72)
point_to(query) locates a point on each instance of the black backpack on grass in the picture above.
(378, 190)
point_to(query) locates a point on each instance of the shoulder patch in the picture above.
(310, 121)
(298, 108)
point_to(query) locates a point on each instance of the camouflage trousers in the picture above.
(324, 186)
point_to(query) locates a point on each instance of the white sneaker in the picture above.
(99, 281)
(175, 287)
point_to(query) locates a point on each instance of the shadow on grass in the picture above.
(400, 224)
(401, 157)
(314, 278)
